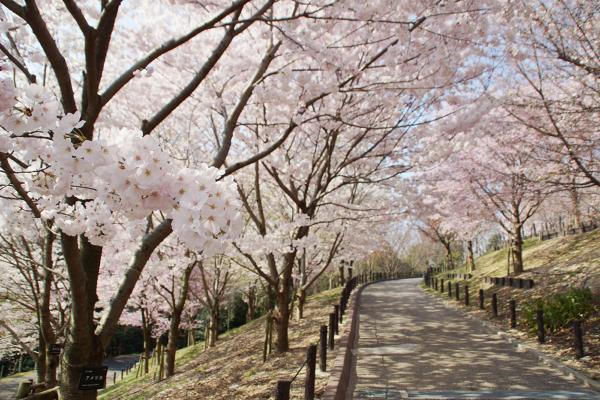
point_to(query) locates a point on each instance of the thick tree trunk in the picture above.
(517, 248)
(40, 361)
(51, 369)
(172, 343)
(575, 204)
(449, 260)
(191, 339)
(470, 256)
(83, 348)
(79, 354)
(213, 327)
(282, 319)
(301, 302)
(251, 295)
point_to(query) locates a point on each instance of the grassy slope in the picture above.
(555, 265)
(234, 368)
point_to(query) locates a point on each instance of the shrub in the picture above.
(560, 310)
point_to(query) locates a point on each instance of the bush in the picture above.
(560, 310)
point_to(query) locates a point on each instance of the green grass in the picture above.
(568, 255)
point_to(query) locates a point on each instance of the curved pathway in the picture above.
(412, 346)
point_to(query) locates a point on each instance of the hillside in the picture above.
(555, 266)
(234, 368)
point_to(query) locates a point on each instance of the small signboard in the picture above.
(55, 349)
(93, 378)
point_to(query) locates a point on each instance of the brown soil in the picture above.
(234, 368)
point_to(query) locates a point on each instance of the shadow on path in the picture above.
(412, 346)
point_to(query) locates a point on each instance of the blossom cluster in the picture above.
(122, 174)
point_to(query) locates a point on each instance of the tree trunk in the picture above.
(172, 343)
(470, 256)
(191, 339)
(282, 319)
(40, 360)
(177, 310)
(46, 328)
(51, 369)
(251, 313)
(213, 327)
(147, 344)
(449, 261)
(301, 302)
(517, 250)
(575, 204)
(79, 354)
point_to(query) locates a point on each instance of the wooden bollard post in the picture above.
(323, 348)
(467, 295)
(442, 285)
(331, 330)
(512, 305)
(541, 332)
(494, 305)
(114, 377)
(481, 299)
(283, 390)
(336, 321)
(450, 290)
(122, 372)
(578, 339)
(457, 291)
(309, 382)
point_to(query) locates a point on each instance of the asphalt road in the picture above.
(412, 346)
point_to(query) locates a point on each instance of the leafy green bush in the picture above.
(560, 310)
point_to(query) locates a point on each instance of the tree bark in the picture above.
(301, 302)
(213, 327)
(172, 343)
(40, 360)
(251, 295)
(282, 319)
(176, 312)
(470, 256)
(147, 337)
(517, 247)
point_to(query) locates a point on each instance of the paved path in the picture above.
(9, 384)
(412, 346)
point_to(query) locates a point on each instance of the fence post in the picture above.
(114, 377)
(494, 305)
(283, 390)
(311, 361)
(457, 291)
(578, 336)
(331, 330)
(481, 299)
(442, 285)
(450, 290)
(541, 333)
(467, 295)
(513, 313)
(122, 372)
(323, 348)
(336, 320)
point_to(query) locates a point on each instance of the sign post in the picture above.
(93, 378)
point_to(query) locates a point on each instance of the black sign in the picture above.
(93, 378)
(55, 349)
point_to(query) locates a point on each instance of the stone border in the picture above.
(343, 374)
(544, 358)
